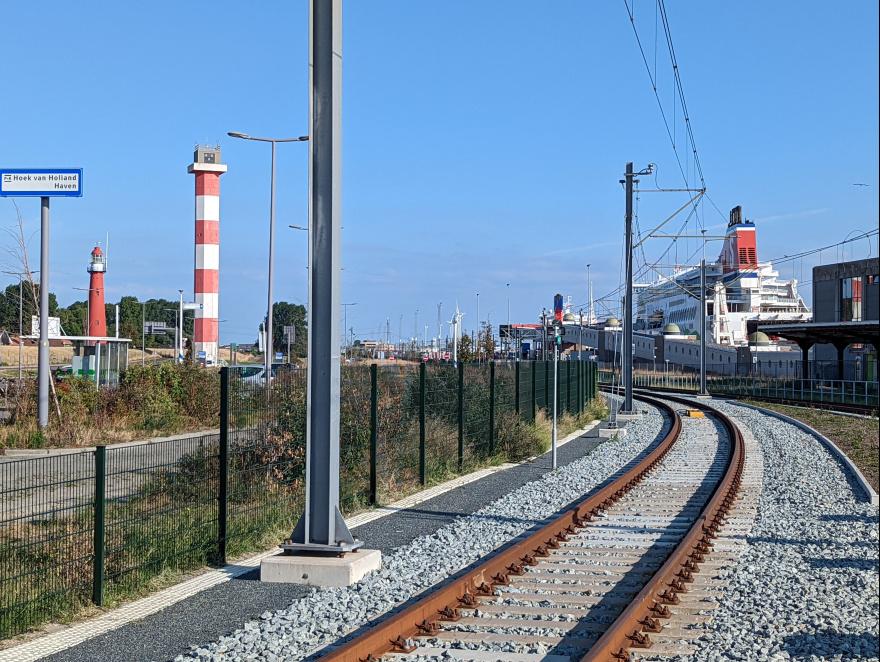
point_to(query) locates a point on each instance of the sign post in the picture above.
(289, 336)
(42, 183)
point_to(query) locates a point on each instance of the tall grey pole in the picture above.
(703, 327)
(322, 528)
(507, 353)
(590, 291)
(43, 362)
(143, 333)
(270, 345)
(626, 349)
(581, 338)
(20, 331)
(180, 335)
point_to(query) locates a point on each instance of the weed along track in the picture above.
(623, 571)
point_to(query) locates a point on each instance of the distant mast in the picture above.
(97, 312)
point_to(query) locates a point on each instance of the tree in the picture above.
(9, 309)
(288, 314)
(466, 352)
(487, 343)
(9, 306)
(74, 318)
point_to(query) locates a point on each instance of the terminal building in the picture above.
(841, 341)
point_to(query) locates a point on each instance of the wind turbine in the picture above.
(456, 329)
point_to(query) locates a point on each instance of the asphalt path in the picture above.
(206, 616)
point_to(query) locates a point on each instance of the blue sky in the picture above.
(482, 142)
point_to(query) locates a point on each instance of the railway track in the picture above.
(625, 570)
(839, 407)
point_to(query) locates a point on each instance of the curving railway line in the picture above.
(833, 407)
(630, 569)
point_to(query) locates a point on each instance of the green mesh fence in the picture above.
(441, 421)
(46, 538)
(99, 525)
(397, 450)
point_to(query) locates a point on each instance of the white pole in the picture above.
(590, 288)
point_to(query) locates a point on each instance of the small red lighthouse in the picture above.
(97, 312)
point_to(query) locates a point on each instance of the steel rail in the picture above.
(642, 616)
(842, 407)
(441, 603)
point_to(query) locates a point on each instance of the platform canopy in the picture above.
(832, 333)
(839, 334)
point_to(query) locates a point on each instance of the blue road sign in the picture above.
(41, 182)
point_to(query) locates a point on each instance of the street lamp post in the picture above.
(176, 313)
(88, 307)
(20, 321)
(479, 357)
(590, 290)
(269, 339)
(507, 352)
(180, 335)
(219, 322)
(345, 326)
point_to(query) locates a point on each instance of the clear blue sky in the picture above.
(482, 142)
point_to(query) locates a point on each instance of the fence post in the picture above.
(422, 372)
(569, 391)
(547, 400)
(374, 428)
(460, 415)
(534, 366)
(592, 378)
(492, 408)
(223, 491)
(100, 486)
(516, 389)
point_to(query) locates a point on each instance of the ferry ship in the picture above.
(742, 293)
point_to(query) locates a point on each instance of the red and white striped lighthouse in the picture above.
(207, 168)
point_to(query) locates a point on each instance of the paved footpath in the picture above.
(201, 610)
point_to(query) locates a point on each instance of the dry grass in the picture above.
(857, 437)
(62, 355)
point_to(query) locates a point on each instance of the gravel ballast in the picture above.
(806, 586)
(320, 620)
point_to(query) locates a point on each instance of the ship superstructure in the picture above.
(741, 290)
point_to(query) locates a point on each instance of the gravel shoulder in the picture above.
(806, 586)
(858, 437)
